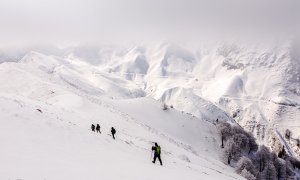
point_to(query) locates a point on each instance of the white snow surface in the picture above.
(48, 103)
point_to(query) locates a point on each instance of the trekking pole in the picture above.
(151, 156)
(151, 151)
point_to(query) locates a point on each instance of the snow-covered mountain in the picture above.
(48, 104)
(49, 98)
(256, 83)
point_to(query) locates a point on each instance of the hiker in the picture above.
(113, 132)
(157, 151)
(98, 128)
(93, 127)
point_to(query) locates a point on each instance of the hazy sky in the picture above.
(66, 21)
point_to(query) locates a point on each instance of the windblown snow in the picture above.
(49, 101)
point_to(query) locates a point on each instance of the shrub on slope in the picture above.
(242, 152)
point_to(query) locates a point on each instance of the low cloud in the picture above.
(66, 21)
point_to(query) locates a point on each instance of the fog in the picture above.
(75, 21)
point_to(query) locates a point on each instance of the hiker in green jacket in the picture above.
(157, 152)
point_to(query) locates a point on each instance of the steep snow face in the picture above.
(187, 101)
(134, 62)
(46, 118)
(174, 57)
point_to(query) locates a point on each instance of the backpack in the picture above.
(157, 150)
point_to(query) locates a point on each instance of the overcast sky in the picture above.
(96, 20)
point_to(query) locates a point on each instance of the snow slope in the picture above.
(48, 103)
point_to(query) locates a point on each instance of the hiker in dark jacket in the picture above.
(113, 132)
(157, 152)
(93, 127)
(98, 128)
